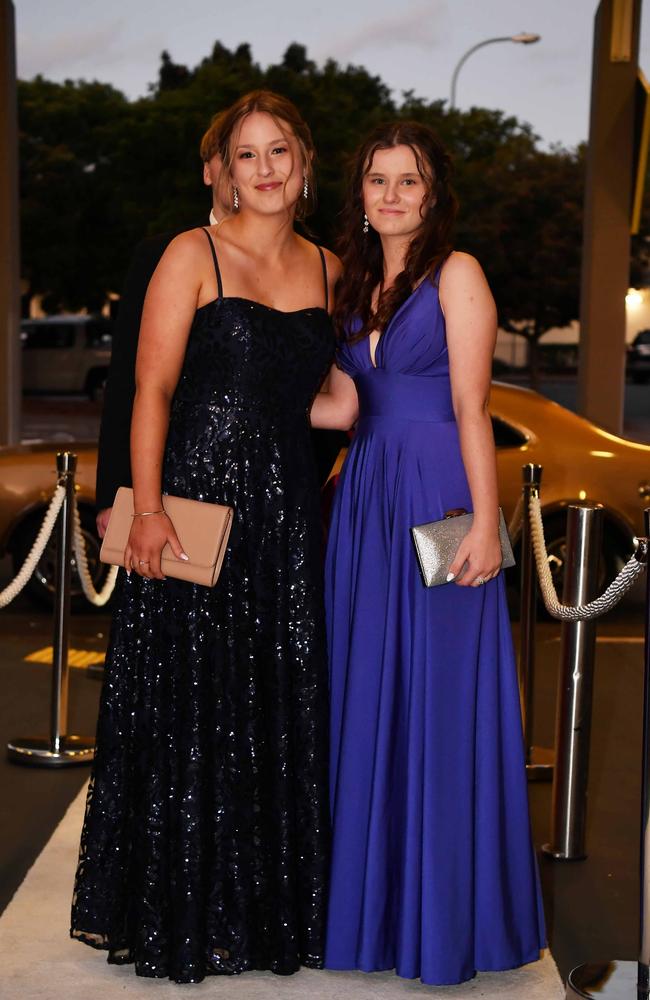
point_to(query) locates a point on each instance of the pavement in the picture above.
(33, 800)
(60, 418)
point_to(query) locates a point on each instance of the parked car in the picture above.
(638, 357)
(27, 482)
(581, 463)
(66, 354)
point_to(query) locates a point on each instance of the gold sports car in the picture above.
(581, 462)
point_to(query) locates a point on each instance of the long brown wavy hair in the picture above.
(282, 111)
(361, 253)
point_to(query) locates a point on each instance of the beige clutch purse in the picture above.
(436, 544)
(202, 529)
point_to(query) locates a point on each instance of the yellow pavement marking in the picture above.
(76, 657)
(613, 640)
(616, 639)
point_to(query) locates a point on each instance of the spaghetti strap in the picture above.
(216, 262)
(322, 260)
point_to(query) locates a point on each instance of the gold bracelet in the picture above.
(148, 513)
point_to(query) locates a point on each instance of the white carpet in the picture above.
(38, 961)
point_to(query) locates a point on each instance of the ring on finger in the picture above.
(143, 562)
(479, 581)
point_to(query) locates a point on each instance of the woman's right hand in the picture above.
(147, 539)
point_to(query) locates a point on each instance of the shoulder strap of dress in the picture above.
(216, 262)
(322, 260)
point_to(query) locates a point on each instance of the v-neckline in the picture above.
(397, 312)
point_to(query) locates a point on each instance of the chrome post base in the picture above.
(42, 752)
(540, 764)
(549, 851)
(606, 981)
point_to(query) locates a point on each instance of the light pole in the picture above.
(524, 38)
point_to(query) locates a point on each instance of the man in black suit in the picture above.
(113, 460)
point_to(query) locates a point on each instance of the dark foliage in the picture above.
(99, 172)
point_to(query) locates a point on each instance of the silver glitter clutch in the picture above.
(436, 544)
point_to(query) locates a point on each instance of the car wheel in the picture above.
(40, 587)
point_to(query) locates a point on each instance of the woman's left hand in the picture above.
(481, 550)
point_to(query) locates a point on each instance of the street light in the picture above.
(524, 38)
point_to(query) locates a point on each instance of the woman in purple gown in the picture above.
(433, 869)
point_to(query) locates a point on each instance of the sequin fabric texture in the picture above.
(205, 843)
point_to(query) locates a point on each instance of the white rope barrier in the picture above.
(98, 598)
(14, 588)
(584, 612)
(611, 596)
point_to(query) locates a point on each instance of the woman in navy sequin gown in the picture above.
(433, 869)
(205, 846)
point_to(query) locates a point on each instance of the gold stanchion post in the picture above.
(59, 749)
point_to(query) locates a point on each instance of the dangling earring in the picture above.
(305, 188)
(366, 224)
(235, 198)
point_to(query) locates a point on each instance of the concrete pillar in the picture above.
(10, 371)
(608, 201)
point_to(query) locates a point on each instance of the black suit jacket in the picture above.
(113, 460)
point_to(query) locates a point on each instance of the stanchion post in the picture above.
(573, 717)
(644, 927)
(539, 761)
(66, 466)
(617, 980)
(60, 749)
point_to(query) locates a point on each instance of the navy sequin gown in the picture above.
(205, 842)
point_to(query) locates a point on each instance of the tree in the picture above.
(171, 75)
(98, 172)
(542, 236)
(295, 59)
(71, 236)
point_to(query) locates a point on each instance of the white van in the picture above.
(66, 354)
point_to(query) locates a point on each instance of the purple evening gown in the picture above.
(433, 869)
